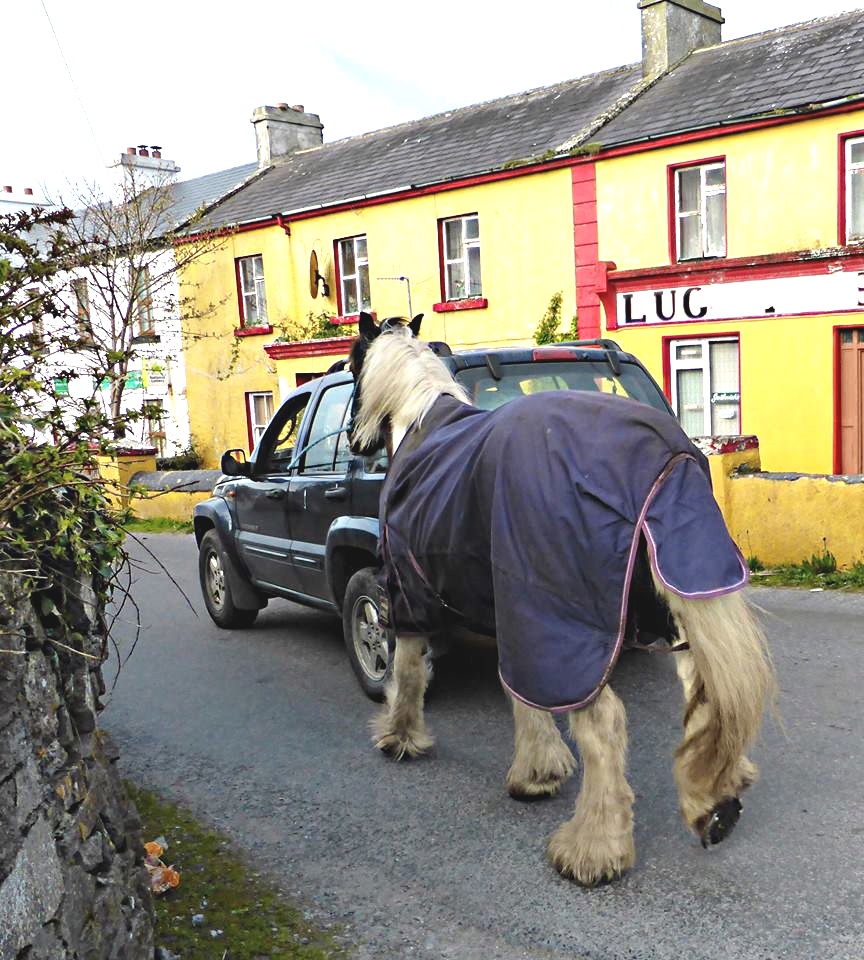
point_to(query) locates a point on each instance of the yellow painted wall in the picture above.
(526, 236)
(781, 195)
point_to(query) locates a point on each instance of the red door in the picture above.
(851, 400)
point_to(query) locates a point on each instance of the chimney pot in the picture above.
(156, 154)
(132, 151)
(7, 189)
(298, 108)
(143, 152)
(282, 106)
(28, 191)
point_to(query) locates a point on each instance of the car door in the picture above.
(263, 534)
(319, 489)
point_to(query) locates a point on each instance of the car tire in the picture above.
(369, 644)
(215, 589)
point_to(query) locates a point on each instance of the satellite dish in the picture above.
(315, 278)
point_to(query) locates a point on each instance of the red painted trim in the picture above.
(309, 348)
(672, 210)
(837, 457)
(351, 318)
(257, 225)
(240, 307)
(249, 437)
(841, 182)
(470, 303)
(716, 445)
(442, 284)
(590, 276)
(667, 365)
(253, 331)
(768, 266)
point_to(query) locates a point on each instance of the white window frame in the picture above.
(254, 291)
(142, 302)
(349, 281)
(257, 426)
(704, 364)
(449, 261)
(851, 170)
(705, 192)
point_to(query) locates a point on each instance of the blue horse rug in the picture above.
(524, 523)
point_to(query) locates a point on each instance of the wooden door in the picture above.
(851, 400)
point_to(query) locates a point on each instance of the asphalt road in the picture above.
(264, 734)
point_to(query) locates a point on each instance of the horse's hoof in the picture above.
(717, 825)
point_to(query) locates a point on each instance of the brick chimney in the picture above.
(282, 130)
(672, 29)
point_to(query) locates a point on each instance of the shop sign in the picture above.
(155, 376)
(837, 292)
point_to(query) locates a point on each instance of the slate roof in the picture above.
(789, 69)
(454, 144)
(191, 195)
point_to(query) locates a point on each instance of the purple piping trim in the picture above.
(703, 595)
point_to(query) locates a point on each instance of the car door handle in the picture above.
(336, 493)
(275, 494)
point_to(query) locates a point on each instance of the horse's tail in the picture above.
(728, 680)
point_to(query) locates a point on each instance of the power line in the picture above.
(74, 87)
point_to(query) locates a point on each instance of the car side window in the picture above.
(279, 442)
(327, 449)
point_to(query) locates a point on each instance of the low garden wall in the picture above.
(72, 881)
(170, 494)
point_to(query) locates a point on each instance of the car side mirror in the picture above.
(232, 467)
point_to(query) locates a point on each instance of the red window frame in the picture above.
(249, 425)
(478, 301)
(240, 304)
(842, 139)
(666, 358)
(337, 270)
(672, 210)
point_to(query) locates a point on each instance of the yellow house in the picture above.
(703, 208)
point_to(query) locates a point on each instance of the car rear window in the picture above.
(522, 379)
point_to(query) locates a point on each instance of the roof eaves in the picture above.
(776, 114)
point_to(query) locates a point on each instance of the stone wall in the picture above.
(72, 883)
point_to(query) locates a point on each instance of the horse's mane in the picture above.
(401, 377)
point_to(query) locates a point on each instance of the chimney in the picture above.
(672, 29)
(146, 159)
(282, 130)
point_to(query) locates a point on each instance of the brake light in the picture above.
(556, 353)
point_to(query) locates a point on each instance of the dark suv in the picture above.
(299, 519)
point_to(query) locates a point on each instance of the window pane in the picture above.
(361, 248)
(846, 336)
(347, 250)
(453, 239)
(715, 176)
(365, 296)
(250, 310)
(323, 439)
(856, 151)
(689, 351)
(689, 190)
(691, 405)
(247, 274)
(262, 301)
(350, 296)
(725, 398)
(856, 205)
(472, 228)
(715, 241)
(691, 237)
(474, 285)
(455, 281)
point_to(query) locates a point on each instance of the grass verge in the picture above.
(806, 575)
(254, 921)
(159, 525)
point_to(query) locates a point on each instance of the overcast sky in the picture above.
(186, 75)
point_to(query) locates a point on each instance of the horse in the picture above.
(560, 523)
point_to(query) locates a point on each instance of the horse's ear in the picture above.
(367, 327)
(414, 325)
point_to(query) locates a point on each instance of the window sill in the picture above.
(351, 318)
(143, 338)
(253, 331)
(472, 303)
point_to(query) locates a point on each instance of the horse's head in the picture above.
(369, 331)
